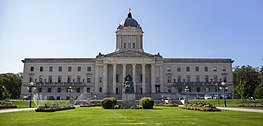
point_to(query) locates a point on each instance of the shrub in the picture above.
(7, 105)
(53, 108)
(201, 107)
(146, 103)
(109, 103)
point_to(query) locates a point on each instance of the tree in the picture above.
(239, 91)
(5, 94)
(259, 91)
(250, 78)
(12, 83)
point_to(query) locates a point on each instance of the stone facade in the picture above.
(103, 76)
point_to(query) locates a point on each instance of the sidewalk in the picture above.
(241, 109)
(16, 110)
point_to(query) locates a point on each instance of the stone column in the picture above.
(104, 88)
(123, 72)
(114, 79)
(143, 79)
(96, 79)
(153, 78)
(134, 76)
(161, 79)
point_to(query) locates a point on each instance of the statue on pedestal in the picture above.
(128, 87)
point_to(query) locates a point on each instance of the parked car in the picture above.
(208, 96)
(227, 96)
(200, 96)
(216, 96)
(26, 98)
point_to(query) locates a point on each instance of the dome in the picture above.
(129, 22)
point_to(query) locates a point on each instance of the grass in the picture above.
(164, 116)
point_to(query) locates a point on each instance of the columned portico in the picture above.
(114, 79)
(143, 79)
(123, 72)
(153, 78)
(133, 76)
(105, 68)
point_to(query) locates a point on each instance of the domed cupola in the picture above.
(129, 22)
(129, 35)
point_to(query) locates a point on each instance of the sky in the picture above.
(174, 28)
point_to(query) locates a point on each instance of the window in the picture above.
(78, 79)
(225, 79)
(215, 78)
(206, 78)
(188, 78)
(88, 90)
(69, 69)
(59, 79)
(100, 89)
(117, 78)
(88, 79)
(60, 69)
(198, 89)
(59, 90)
(117, 91)
(100, 79)
(179, 89)
(207, 89)
(169, 69)
(169, 79)
(50, 69)
(206, 69)
(50, 79)
(197, 78)
(39, 90)
(79, 68)
(89, 68)
(178, 69)
(69, 79)
(31, 68)
(224, 68)
(178, 78)
(188, 69)
(78, 90)
(197, 69)
(133, 45)
(49, 90)
(124, 46)
(129, 45)
(214, 69)
(41, 69)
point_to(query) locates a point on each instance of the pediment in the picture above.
(129, 53)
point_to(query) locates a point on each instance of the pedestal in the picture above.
(128, 100)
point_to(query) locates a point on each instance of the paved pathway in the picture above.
(16, 110)
(241, 109)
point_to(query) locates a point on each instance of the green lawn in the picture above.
(164, 116)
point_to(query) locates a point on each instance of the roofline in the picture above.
(58, 60)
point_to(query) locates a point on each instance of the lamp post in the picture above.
(217, 93)
(187, 93)
(70, 90)
(30, 87)
(224, 87)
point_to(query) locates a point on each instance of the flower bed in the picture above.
(251, 105)
(53, 108)
(167, 105)
(7, 105)
(201, 107)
